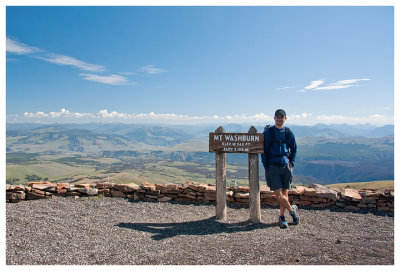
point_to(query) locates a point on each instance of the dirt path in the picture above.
(117, 231)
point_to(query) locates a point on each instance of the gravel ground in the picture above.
(117, 231)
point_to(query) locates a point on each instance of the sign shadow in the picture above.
(199, 227)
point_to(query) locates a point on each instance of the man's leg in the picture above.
(282, 196)
(285, 193)
(287, 180)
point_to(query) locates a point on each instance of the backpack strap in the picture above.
(272, 141)
(287, 139)
(272, 134)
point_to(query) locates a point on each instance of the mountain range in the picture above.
(326, 153)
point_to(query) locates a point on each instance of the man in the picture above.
(278, 160)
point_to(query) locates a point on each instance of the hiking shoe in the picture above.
(295, 215)
(282, 222)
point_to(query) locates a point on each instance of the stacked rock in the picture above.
(314, 196)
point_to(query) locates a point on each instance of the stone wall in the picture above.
(314, 196)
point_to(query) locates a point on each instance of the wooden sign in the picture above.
(251, 143)
(236, 142)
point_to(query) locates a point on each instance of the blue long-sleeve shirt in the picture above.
(279, 151)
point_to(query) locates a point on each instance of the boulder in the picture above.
(164, 199)
(117, 193)
(32, 195)
(242, 200)
(324, 192)
(244, 189)
(105, 185)
(316, 199)
(61, 191)
(351, 195)
(264, 189)
(210, 195)
(367, 194)
(198, 187)
(300, 189)
(62, 185)
(83, 185)
(148, 186)
(229, 194)
(127, 188)
(130, 196)
(310, 191)
(190, 192)
(241, 195)
(39, 192)
(89, 191)
(136, 196)
(159, 186)
(14, 188)
(43, 186)
(269, 195)
(340, 204)
(15, 196)
(294, 192)
(305, 202)
(211, 189)
(172, 186)
(151, 196)
(381, 204)
(41, 182)
(170, 191)
(153, 192)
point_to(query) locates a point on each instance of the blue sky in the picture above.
(200, 64)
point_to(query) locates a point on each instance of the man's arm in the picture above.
(293, 148)
(264, 156)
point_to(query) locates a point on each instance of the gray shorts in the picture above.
(279, 177)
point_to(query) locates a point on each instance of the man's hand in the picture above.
(291, 164)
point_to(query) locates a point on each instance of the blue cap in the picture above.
(280, 111)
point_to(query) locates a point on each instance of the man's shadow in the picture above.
(200, 227)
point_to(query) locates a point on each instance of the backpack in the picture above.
(272, 141)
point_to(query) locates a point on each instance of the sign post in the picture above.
(220, 180)
(251, 143)
(254, 185)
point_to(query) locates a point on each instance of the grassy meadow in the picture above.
(379, 185)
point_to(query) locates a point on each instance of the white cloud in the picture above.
(151, 69)
(282, 88)
(112, 79)
(299, 116)
(316, 85)
(104, 114)
(117, 79)
(70, 61)
(330, 87)
(64, 113)
(170, 116)
(297, 119)
(349, 81)
(35, 115)
(15, 47)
